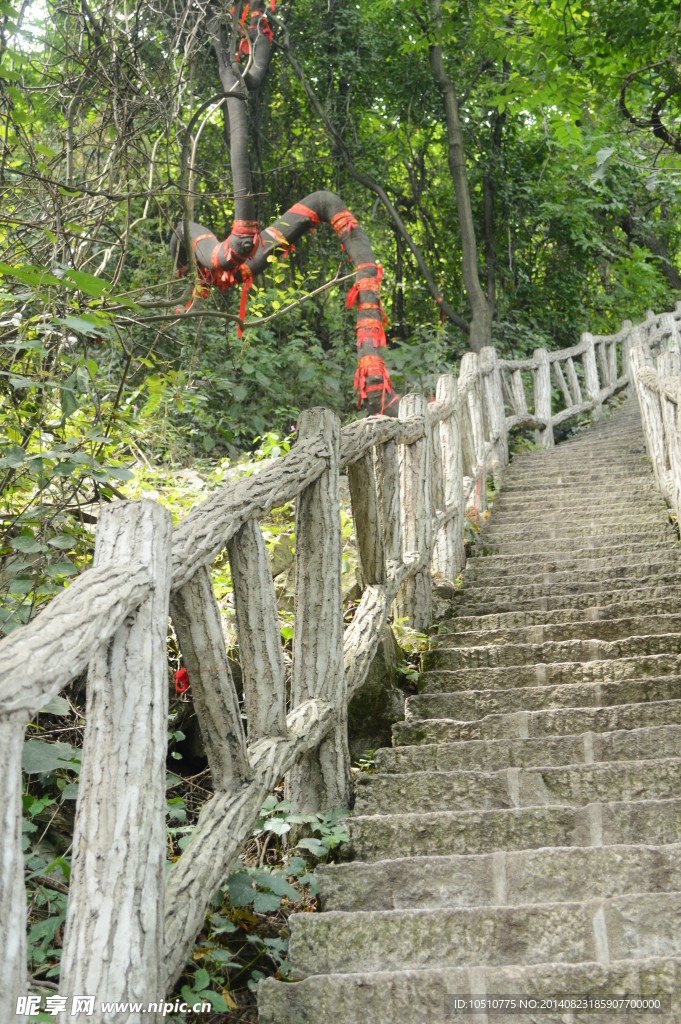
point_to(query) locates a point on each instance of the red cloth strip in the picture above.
(366, 284)
(370, 330)
(372, 366)
(304, 211)
(207, 234)
(344, 222)
(377, 267)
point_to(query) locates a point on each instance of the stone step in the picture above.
(605, 629)
(552, 652)
(590, 498)
(542, 673)
(581, 533)
(581, 478)
(620, 564)
(461, 625)
(553, 722)
(597, 930)
(473, 704)
(469, 603)
(493, 755)
(430, 996)
(546, 875)
(566, 785)
(508, 677)
(666, 572)
(575, 518)
(592, 547)
(516, 594)
(386, 836)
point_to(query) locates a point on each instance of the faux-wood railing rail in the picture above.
(130, 922)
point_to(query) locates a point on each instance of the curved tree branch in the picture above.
(374, 187)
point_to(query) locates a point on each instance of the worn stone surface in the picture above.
(523, 834)
(515, 877)
(427, 997)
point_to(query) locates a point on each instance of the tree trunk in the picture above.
(481, 323)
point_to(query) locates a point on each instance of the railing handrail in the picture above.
(411, 481)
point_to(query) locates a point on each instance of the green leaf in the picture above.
(63, 541)
(265, 903)
(39, 757)
(36, 277)
(201, 979)
(240, 888)
(15, 456)
(87, 283)
(57, 706)
(316, 848)
(27, 544)
(61, 569)
(89, 325)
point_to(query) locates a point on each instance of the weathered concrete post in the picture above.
(322, 779)
(449, 556)
(542, 397)
(113, 946)
(591, 382)
(495, 412)
(414, 600)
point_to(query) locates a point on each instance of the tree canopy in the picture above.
(515, 166)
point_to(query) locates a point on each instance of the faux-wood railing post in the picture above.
(257, 618)
(449, 556)
(367, 517)
(113, 947)
(494, 407)
(591, 382)
(651, 415)
(414, 598)
(669, 369)
(542, 397)
(322, 779)
(196, 617)
(13, 974)
(387, 468)
(472, 426)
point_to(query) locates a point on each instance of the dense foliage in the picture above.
(111, 128)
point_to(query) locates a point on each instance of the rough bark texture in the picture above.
(473, 430)
(449, 555)
(13, 976)
(414, 599)
(114, 927)
(262, 659)
(518, 393)
(367, 518)
(651, 413)
(388, 489)
(591, 383)
(668, 369)
(39, 659)
(196, 617)
(542, 397)
(573, 382)
(321, 780)
(203, 534)
(494, 409)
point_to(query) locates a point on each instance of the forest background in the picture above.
(569, 116)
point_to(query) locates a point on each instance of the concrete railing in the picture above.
(655, 358)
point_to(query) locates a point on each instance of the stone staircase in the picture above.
(523, 837)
